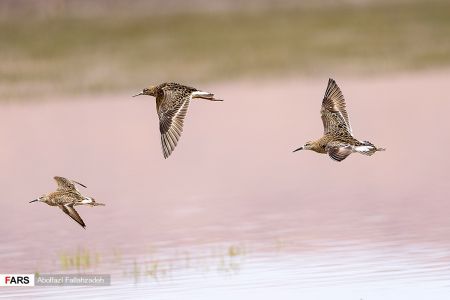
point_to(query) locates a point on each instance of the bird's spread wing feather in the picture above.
(338, 151)
(71, 212)
(65, 184)
(333, 111)
(172, 111)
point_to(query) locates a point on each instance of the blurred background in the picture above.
(69, 47)
(232, 213)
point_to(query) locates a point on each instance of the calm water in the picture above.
(233, 213)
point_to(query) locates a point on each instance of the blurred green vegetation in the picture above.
(81, 55)
(156, 264)
(81, 259)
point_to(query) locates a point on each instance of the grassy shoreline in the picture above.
(79, 55)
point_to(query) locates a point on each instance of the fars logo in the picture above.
(16, 279)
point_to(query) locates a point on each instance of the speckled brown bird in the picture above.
(66, 197)
(172, 102)
(337, 140)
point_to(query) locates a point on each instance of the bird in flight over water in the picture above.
(66, 197)
(337, 139)
(172, 102)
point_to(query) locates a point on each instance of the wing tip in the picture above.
(167, 148)
(332, 85)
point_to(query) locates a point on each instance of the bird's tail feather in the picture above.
(205, 95)
(367, 148)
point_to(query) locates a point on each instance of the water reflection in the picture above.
(274, 267)
(276, 226)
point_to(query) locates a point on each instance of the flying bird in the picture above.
(66, 197)
(337, 139)
(172, 102)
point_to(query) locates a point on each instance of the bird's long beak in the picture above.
(140, 94)
(34, 200)
(301, 148)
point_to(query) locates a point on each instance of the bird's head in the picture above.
(150, 91)
(307, 146)
(43, 198)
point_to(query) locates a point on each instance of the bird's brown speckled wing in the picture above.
(338, 151)
(71, 212)
(65, 184)
(66, 197)
(334, 113)
(174, 103)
